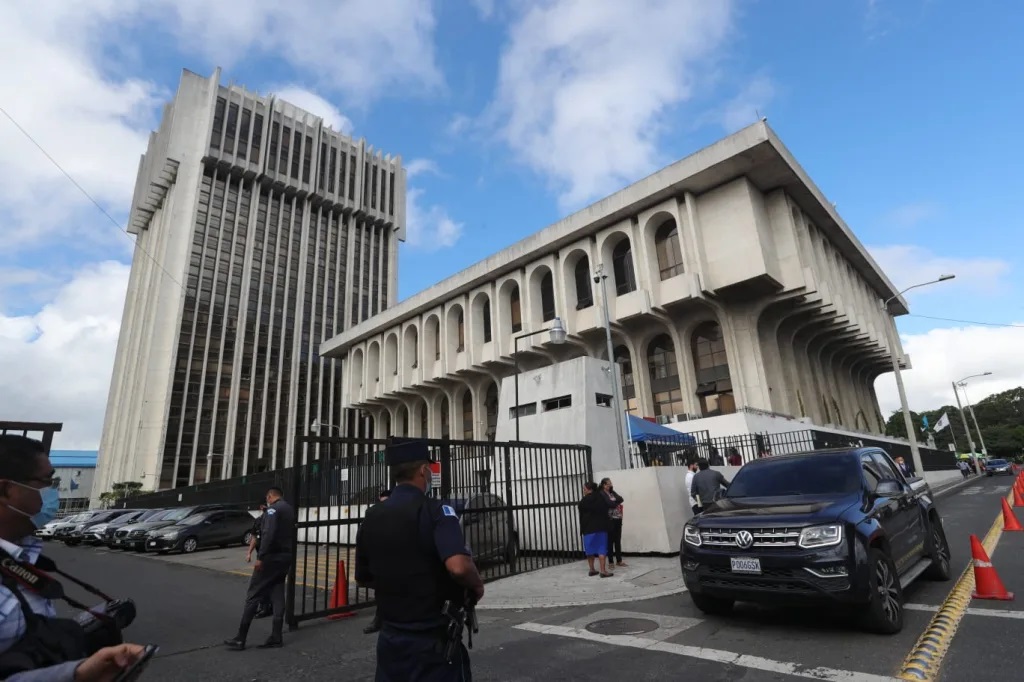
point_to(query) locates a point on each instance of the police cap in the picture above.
(405, 450)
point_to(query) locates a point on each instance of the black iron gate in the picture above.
(516, 503)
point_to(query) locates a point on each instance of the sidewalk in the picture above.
(569, 585)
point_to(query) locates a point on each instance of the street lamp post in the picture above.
(970, 408)
(963, 418)
(557, 332)
(317, 425)
(915, 452)
(600, 276)
(209, 464)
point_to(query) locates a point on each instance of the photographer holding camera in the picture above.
(35, 644)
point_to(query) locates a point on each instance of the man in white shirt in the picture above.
(29, 501)
(690, 473)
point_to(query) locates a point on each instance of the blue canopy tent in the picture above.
(652, 444)
(643, 431)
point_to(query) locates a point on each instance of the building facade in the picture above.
(73, 475)
(260, 233)
(732, 282)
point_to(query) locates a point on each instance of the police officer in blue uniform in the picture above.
(273, 564)
(411, 552)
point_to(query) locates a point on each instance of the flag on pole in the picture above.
(942, 423)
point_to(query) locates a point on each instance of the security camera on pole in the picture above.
(915, 452)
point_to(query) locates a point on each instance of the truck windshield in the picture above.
(785, 476)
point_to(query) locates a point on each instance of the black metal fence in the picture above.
(43, 431)
(740, 449)
(244, 491)
(516, 504)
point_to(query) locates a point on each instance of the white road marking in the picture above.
(1019, 615)
(718, 656)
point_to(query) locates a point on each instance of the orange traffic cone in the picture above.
(339, 596)
(1010, 521)
(987, 584)
(1018, 499)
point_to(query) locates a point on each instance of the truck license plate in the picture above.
(745, 565)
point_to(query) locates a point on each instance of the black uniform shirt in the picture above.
(278, 532)
(440, 527)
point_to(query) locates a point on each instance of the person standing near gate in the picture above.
(411, 552)
(374, 625)
(273, 564)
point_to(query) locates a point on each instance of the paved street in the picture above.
(188, 610)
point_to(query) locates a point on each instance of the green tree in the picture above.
(1000, 417)
(121, 491)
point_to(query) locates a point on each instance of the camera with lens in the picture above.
(103, 625)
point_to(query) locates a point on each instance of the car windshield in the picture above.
(176, 514)
(997, 462)
(808, 475)
(194, 520)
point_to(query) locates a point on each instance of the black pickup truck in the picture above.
(840, 527)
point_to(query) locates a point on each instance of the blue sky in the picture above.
(513, 114)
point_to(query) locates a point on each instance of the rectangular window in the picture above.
(391, 193)
(218, 122)
(257, 138)
(243, 133)
(231, 129)
(559, 403)
(604, 400)
(524, 410)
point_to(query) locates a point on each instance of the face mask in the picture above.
(430, 482)
(48, 511)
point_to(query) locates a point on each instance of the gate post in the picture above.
(510, 519)
(289, 594)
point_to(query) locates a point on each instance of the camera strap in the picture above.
(35, 578)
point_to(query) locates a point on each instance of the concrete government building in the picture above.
(733, 283)
(260, 233)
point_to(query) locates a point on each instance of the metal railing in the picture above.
(742, 448)
(516, 502)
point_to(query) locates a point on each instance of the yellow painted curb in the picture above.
(925, 659)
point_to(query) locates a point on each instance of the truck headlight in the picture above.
(821, 536)
(691, 534)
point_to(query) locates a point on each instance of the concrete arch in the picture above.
(575, 297)
(481, 319)
(668, 262)
(542, 294)
(611, 245)
(432, 338)
(411, 347)
(358, 376)
(455, 329)
(373, 363)
(391, 355)
(509, 292)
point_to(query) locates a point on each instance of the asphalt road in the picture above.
(188, 611)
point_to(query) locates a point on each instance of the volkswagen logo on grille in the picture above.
(744, 539)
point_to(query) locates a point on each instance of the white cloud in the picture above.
(429, 228)
(95, 126)
(942, 356)
(315, 104)
(420, 166)
(911, 215)
(362, 48)
(585, 86)
(55, 365)
(910, 264)
(749, 105)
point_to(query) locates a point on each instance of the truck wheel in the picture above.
(884, 612)
(940, 569)
(712, 606)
